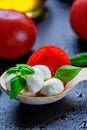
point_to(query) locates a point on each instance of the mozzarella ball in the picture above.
(8, 79)
(52, 86)
(45, 71)
(34, 83)
(38, 71)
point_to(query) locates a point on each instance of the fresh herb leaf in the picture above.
(17, 84)
(79, 59)
(25, 69)
(22, 69)
(20, 66)
(12, 70)
(66, 73)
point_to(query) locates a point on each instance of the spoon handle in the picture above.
(81, 77)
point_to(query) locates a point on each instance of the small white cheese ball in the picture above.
(52, 86)
(7, 80)
(38, 72)
(45, 71)
(34, 83)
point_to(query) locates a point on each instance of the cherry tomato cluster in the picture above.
(78, 18)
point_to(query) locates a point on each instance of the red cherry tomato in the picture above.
(78, 18)
(51, 56)
(17, 34)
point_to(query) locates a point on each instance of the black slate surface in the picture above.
(70, 113)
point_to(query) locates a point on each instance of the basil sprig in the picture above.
(12, 70)
(66, 73)
(18, 82)
(22, 69)
(79, 59)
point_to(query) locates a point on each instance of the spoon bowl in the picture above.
(40, 100)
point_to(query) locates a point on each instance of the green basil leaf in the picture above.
(12, 70)
(17, 84)
(79, 59)
(20, 66)
(25, 69)
(66, 73)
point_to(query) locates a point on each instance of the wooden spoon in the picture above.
(81, 77)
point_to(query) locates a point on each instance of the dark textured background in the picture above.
(70, 113)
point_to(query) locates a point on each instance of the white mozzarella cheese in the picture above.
(8, 79)
(34, 83)
(38, 72)
(45, 71)
(51, 87)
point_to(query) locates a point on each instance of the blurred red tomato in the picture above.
(51, 56)
(78, 18)
(17, 34)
